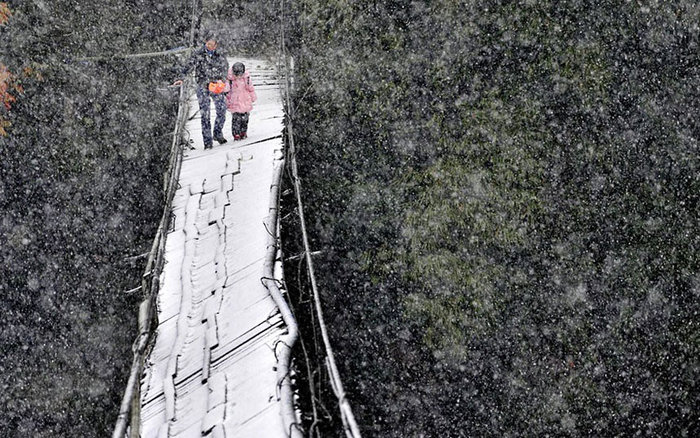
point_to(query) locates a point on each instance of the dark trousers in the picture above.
(203, 96)
(239, 123)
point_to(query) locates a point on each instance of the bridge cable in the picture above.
(150, 280)
(350, 425)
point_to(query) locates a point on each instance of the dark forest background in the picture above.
(80, 192)
(504, 196)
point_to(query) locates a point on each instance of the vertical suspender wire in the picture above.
(193, 23)
(346, 414)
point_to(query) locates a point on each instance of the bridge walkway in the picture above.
(212, 369)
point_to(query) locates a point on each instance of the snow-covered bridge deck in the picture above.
(212, 369)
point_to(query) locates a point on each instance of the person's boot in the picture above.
(208, 145)
(220, 139)
(244, 135)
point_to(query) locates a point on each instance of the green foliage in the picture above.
(244, 28)
(507, 198)
(80, 191)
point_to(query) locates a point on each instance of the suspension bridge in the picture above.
(213, 366)
(212, 357)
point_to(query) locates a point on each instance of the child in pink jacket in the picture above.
(239, 99)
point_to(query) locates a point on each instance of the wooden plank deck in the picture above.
(212, 368)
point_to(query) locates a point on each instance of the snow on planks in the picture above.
(212, 368)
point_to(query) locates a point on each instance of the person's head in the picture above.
(210, 40)
(210, 44)
(238, 69)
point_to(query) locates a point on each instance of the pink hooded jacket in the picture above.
(241, 95)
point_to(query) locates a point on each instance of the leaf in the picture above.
(4, 124)
(5, 12)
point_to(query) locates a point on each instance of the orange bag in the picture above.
(217, 87)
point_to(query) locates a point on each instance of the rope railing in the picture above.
(129, 409)
(349, 423)
(283, 348)
(114, 56)
(150, 281)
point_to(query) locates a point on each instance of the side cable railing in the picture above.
(130, 407)
(283, 347)
(350, 426)
(150, 280)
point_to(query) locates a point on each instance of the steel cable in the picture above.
(349, 423)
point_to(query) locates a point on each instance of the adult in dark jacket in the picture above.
(210, 66)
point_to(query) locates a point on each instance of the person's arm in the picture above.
(185, 70)
(251, 89)
(223, 68)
